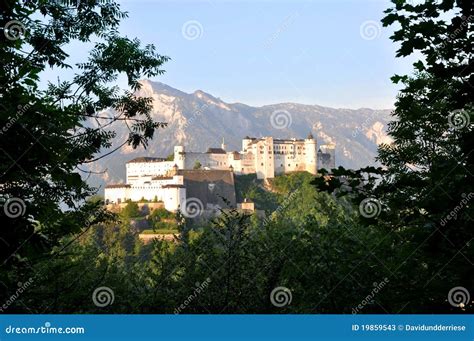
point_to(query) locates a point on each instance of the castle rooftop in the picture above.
(117, 186)
(147, 159)
(216, 151)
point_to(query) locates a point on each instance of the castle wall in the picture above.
(116, 195)
(288, 156)
(310, 156)
(179, 156)
(263, 151)
(152, 178)
(263, 156)
(172, 196)
(209, 160)
(247, 163)
(137, 170)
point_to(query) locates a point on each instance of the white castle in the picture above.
(153, 178)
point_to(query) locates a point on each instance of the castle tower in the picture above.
(175, 169)
(245, 143)
(223, 146)
(264, 163)
(310, 157)
(179, 156)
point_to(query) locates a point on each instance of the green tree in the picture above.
(159, 214)
(131, 210)
(197, 165)
(427, 173)
(52, 134)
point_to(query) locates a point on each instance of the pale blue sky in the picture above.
(264, 52)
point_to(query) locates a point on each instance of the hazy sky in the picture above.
(331, 52)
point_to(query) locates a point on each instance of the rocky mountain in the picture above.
(200, 120)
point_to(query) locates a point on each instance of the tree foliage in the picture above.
(424, 189)
(52, 132)
(319, 242)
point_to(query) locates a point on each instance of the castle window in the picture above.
(262, 163)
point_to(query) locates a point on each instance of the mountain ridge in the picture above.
(200, 120)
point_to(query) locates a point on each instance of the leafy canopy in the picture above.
(51, 134)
